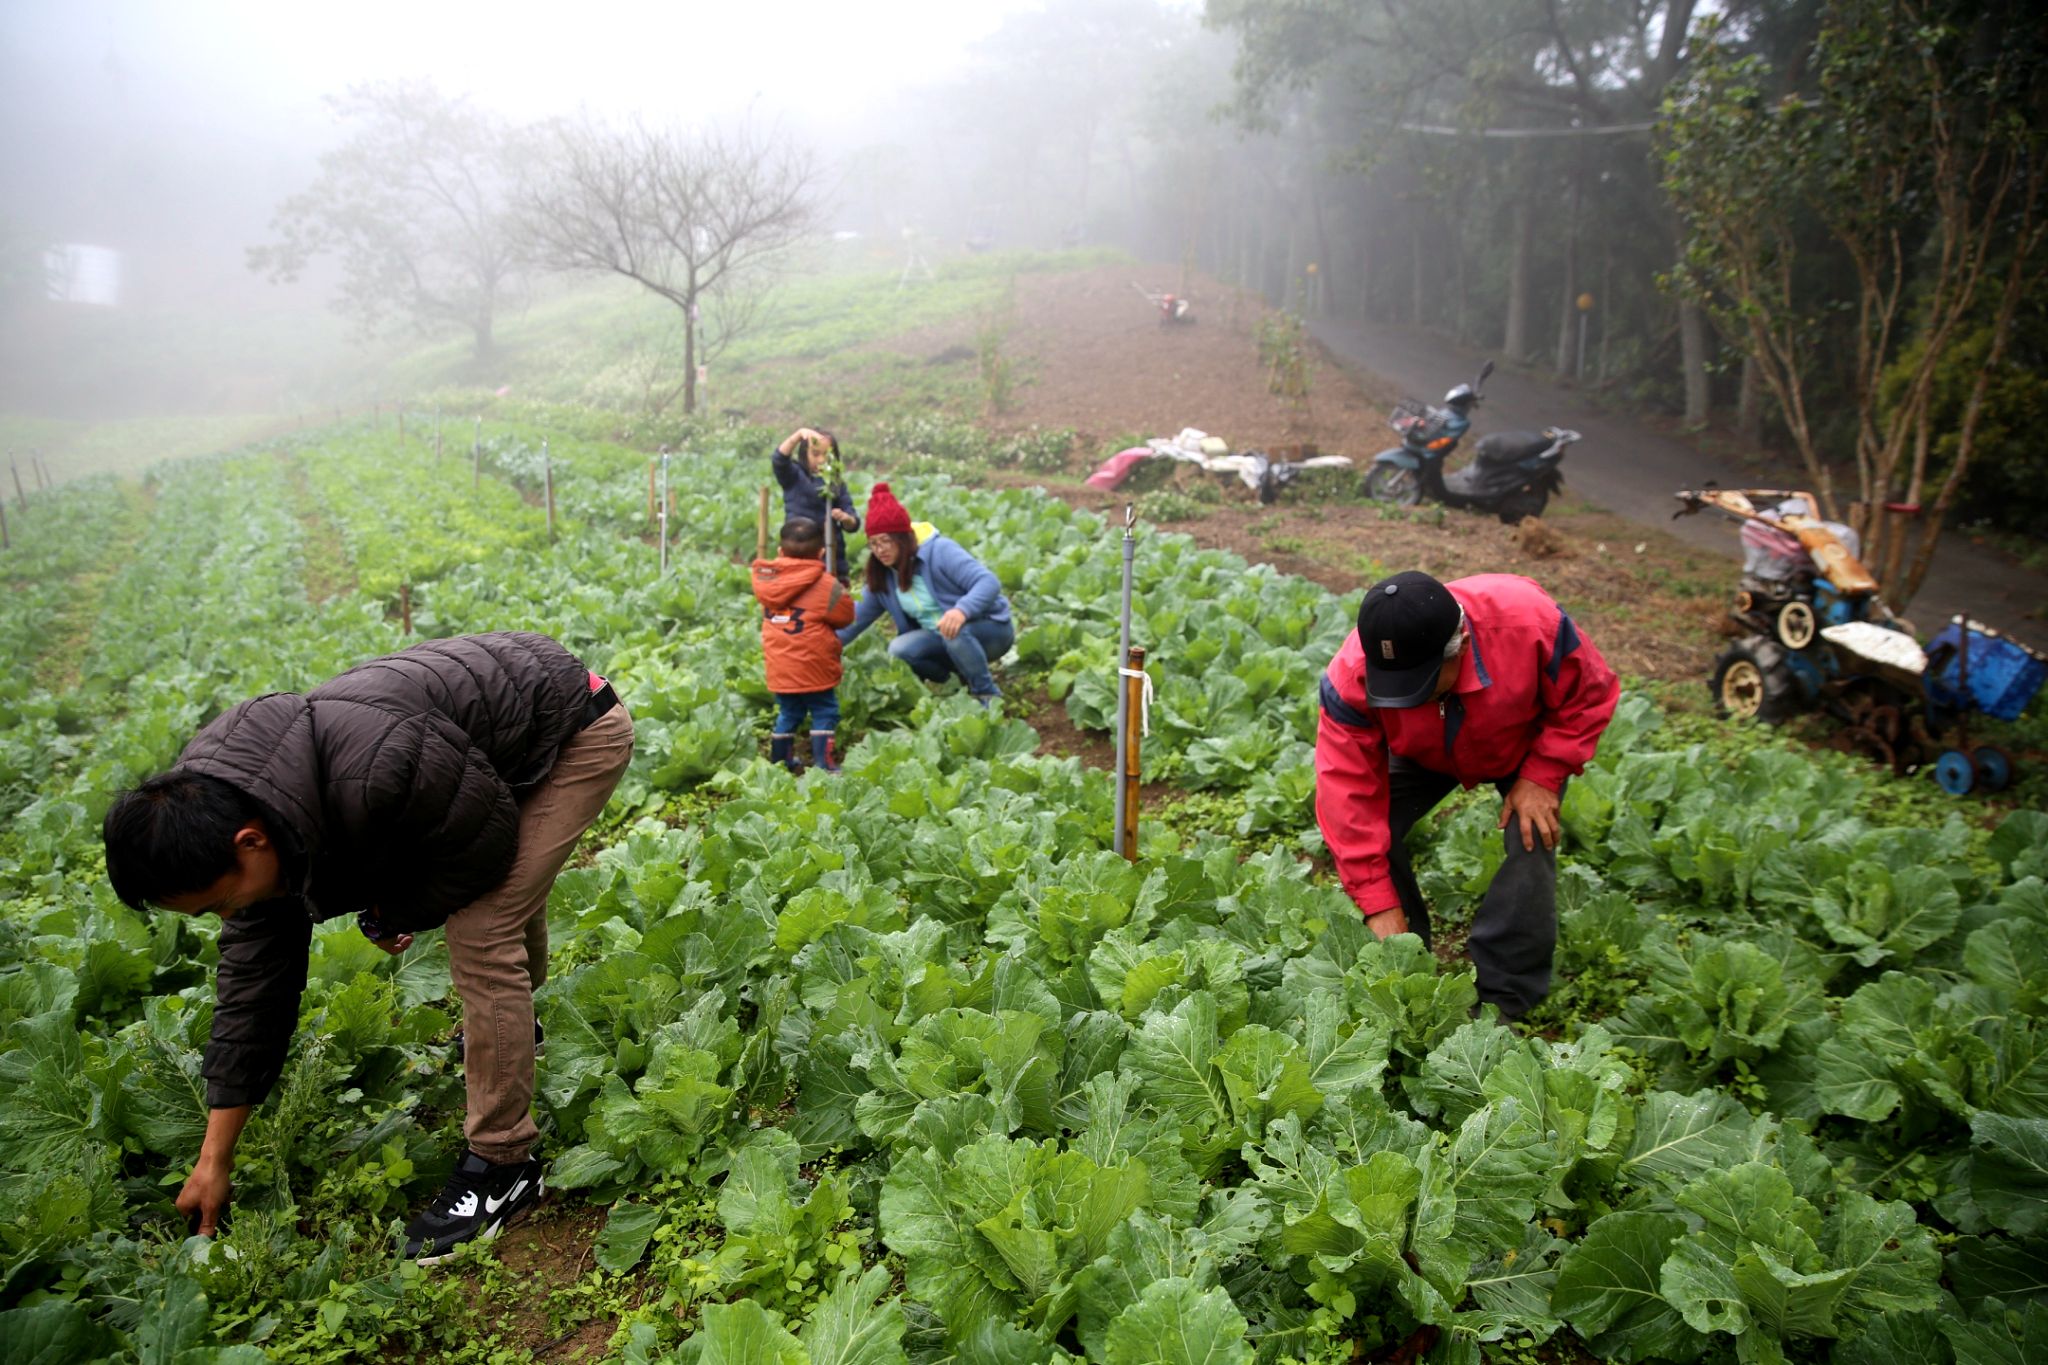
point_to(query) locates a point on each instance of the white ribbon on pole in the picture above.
(1144, 700)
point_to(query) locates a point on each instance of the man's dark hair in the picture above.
(172, 835)
(802, 538)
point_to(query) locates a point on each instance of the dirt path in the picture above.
(1628, 467)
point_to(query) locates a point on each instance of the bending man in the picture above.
(1485, 679)
(441, 786)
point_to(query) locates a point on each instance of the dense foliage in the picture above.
(907, 1065)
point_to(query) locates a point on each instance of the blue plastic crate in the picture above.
(2004, 674)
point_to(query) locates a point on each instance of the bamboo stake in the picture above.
(761, 534)
(21, 498)
(405, 607)
(1133, 708)
(547, 477)
(1123, 694)
(664, 511)
(651, 463)
(49, 480)
(6, 542)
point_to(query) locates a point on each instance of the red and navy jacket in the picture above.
(1531, 700)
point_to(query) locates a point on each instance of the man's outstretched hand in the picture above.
(1388, 923)
(1535, 806)
(205, 1197)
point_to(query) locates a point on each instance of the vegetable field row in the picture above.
(906, 1065)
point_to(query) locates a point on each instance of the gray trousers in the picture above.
(1514, 930)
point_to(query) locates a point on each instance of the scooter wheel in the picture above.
(1392, 483)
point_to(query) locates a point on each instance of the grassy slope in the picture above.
(606, 345)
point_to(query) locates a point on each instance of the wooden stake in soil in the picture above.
(664, 512)
(5, 542)
(405, 607)
(651, 463)
(21, 498)
(1125, 819)
(43, 473)
(547, 484)
(761, 534)
(1134, 729)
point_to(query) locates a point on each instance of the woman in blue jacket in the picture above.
(950, 613)
(801, 463)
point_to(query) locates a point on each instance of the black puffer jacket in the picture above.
(396, 788)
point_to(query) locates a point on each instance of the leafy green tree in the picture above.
(1917, 156)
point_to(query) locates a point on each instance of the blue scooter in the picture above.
(1514, 476)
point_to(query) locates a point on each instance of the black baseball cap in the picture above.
(1403, 625)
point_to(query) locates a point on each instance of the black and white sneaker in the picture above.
(479, 1199)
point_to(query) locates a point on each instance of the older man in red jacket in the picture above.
(1484, 679)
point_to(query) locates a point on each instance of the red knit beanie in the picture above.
(885, 514)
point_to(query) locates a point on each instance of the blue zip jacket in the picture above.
(957, 579)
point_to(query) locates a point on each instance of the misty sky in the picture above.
(526, 58)
(168, 125)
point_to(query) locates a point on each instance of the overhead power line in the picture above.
(1603, 130)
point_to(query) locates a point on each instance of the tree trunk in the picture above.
(1606, 306)
(1515, 338)
(1749, 406)
(1365, 271)
(1319, 283)
(1292, 293)
(1461, 289)
(1568, 305)
(690, 356)
(1418, 293)
(1692, 347)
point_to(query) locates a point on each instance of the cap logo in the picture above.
(1386, 649)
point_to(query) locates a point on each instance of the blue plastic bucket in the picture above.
(2004, 674)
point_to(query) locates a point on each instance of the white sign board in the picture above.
(77, 273)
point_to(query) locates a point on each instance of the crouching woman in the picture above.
(951, 618)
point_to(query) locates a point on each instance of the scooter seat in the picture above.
(1512, 447)
(1483, 481)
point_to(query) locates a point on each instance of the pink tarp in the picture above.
(1118, 467)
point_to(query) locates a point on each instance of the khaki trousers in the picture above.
(498, 946)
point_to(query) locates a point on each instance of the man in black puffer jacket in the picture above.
(442, 786)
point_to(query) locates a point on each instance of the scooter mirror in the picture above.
(1484, 371)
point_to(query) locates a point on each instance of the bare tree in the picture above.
(415, 206)
(697, 217)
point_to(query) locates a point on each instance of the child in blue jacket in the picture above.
(802, 463)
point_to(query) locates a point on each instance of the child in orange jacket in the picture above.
(801, 608)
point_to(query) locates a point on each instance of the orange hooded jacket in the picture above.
(801, 605)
